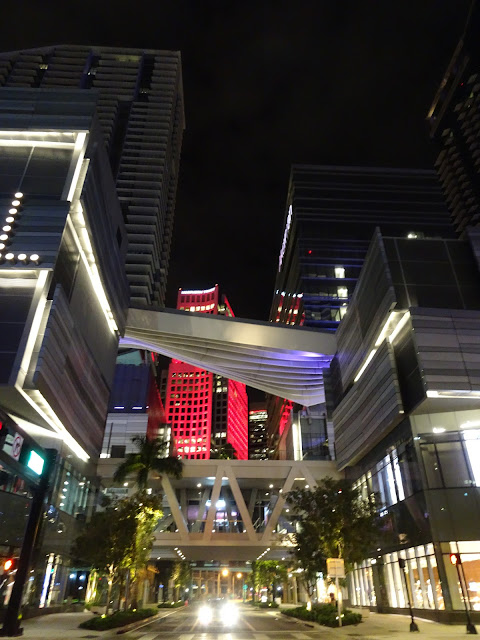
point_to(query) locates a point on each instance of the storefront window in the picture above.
(421, 573)
(362, 592)
(470, 555)
(452, 460)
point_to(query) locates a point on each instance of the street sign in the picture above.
(17, 446)
(13, 445)
(336, 567)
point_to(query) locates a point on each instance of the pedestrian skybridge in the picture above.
(281, 360)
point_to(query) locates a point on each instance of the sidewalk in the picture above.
(381, 626)
(59, 626)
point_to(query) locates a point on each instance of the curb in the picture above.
(143, 623)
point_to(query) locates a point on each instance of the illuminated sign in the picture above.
(285, 236)
(35, 462)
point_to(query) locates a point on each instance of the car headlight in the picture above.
(229, 614)
(205, 614)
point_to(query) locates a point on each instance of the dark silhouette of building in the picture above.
(257, 431)
(455, 125)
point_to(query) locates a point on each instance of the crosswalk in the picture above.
(238, 635)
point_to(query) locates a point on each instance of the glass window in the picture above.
(432, 466)
(453, 464)
(471, 439)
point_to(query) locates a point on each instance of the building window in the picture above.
(339, 272)
(117, 451)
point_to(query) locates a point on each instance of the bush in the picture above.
(171, 605)
(266, 605)
(117, 619)
(324, 614)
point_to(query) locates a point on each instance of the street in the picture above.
(252, 624)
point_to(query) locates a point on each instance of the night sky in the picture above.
(267, 84)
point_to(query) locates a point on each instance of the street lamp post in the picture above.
(456, 560)
(413, 624)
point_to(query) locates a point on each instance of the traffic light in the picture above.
(9, 565)
(455, 558)
(3, 433)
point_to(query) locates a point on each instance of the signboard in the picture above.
(13, 445)
(336, 567)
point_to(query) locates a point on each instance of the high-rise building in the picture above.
(454, 125)
(257, 431)
(89, 152)
(331, 214)
(406, 398)
(139, 98)
(206, 411)
(135, 407)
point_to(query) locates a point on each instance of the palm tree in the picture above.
(146, 460)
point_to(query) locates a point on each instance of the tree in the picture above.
(147, 460)
(107, 543)
(223, 452)
(120, 537)
(269, 573)
(308, 557)
(181, 576)
(336, 520)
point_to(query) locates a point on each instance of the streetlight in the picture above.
(225, 573)
(413, 624)
(456, 560)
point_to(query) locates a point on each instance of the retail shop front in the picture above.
(431, 581)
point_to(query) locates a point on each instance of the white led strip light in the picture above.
(8, 231)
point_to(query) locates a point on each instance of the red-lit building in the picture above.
(204, 409)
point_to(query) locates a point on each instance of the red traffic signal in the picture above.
(455, 558)
(10, 564)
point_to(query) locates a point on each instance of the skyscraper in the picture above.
(205, 410)
(331, 214)
(89, 152)
(139, 98)
(455, 126)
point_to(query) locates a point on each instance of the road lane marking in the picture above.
(250, 626)
(148, 636)
(185, 636)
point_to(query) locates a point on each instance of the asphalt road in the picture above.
(184, 624)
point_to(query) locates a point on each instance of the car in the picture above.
(218, 612)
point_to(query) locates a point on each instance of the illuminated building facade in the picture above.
(63, 296)
(206, 411)
(89, 152)
(406, 397)
(139, 105)
(454, 125)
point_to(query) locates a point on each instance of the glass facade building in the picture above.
(406, 415)
(331, 213)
